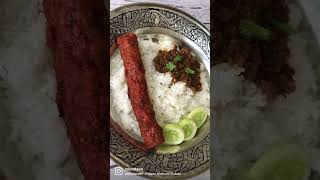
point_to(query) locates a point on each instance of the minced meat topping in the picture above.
(184, 67)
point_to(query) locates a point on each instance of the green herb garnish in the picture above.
(178, 58)
(189, 70)
(170, 66)
(252, 30)
(284, 26)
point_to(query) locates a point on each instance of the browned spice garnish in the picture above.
(182, 65)
(266, 62)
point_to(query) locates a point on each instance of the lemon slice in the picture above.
(198, 115)
(286, 162)
(189, 128)
(173, 134)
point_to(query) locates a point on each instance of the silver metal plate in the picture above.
(147, 18)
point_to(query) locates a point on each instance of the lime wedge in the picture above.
(198, 115)
(189, 128)
(173, 134)
(163, 149)
(286, 162)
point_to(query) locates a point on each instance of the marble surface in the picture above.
(311, 10)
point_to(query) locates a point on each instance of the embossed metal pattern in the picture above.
(191, 161)
(131, 17)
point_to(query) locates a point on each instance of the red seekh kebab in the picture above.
(77, 39)
(151, 132)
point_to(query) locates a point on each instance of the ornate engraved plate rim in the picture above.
(160, 7)
(136, 6)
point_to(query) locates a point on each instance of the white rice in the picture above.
(246, 125)
(170, 101)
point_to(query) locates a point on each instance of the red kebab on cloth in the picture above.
(138, 90)
(76, 36)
